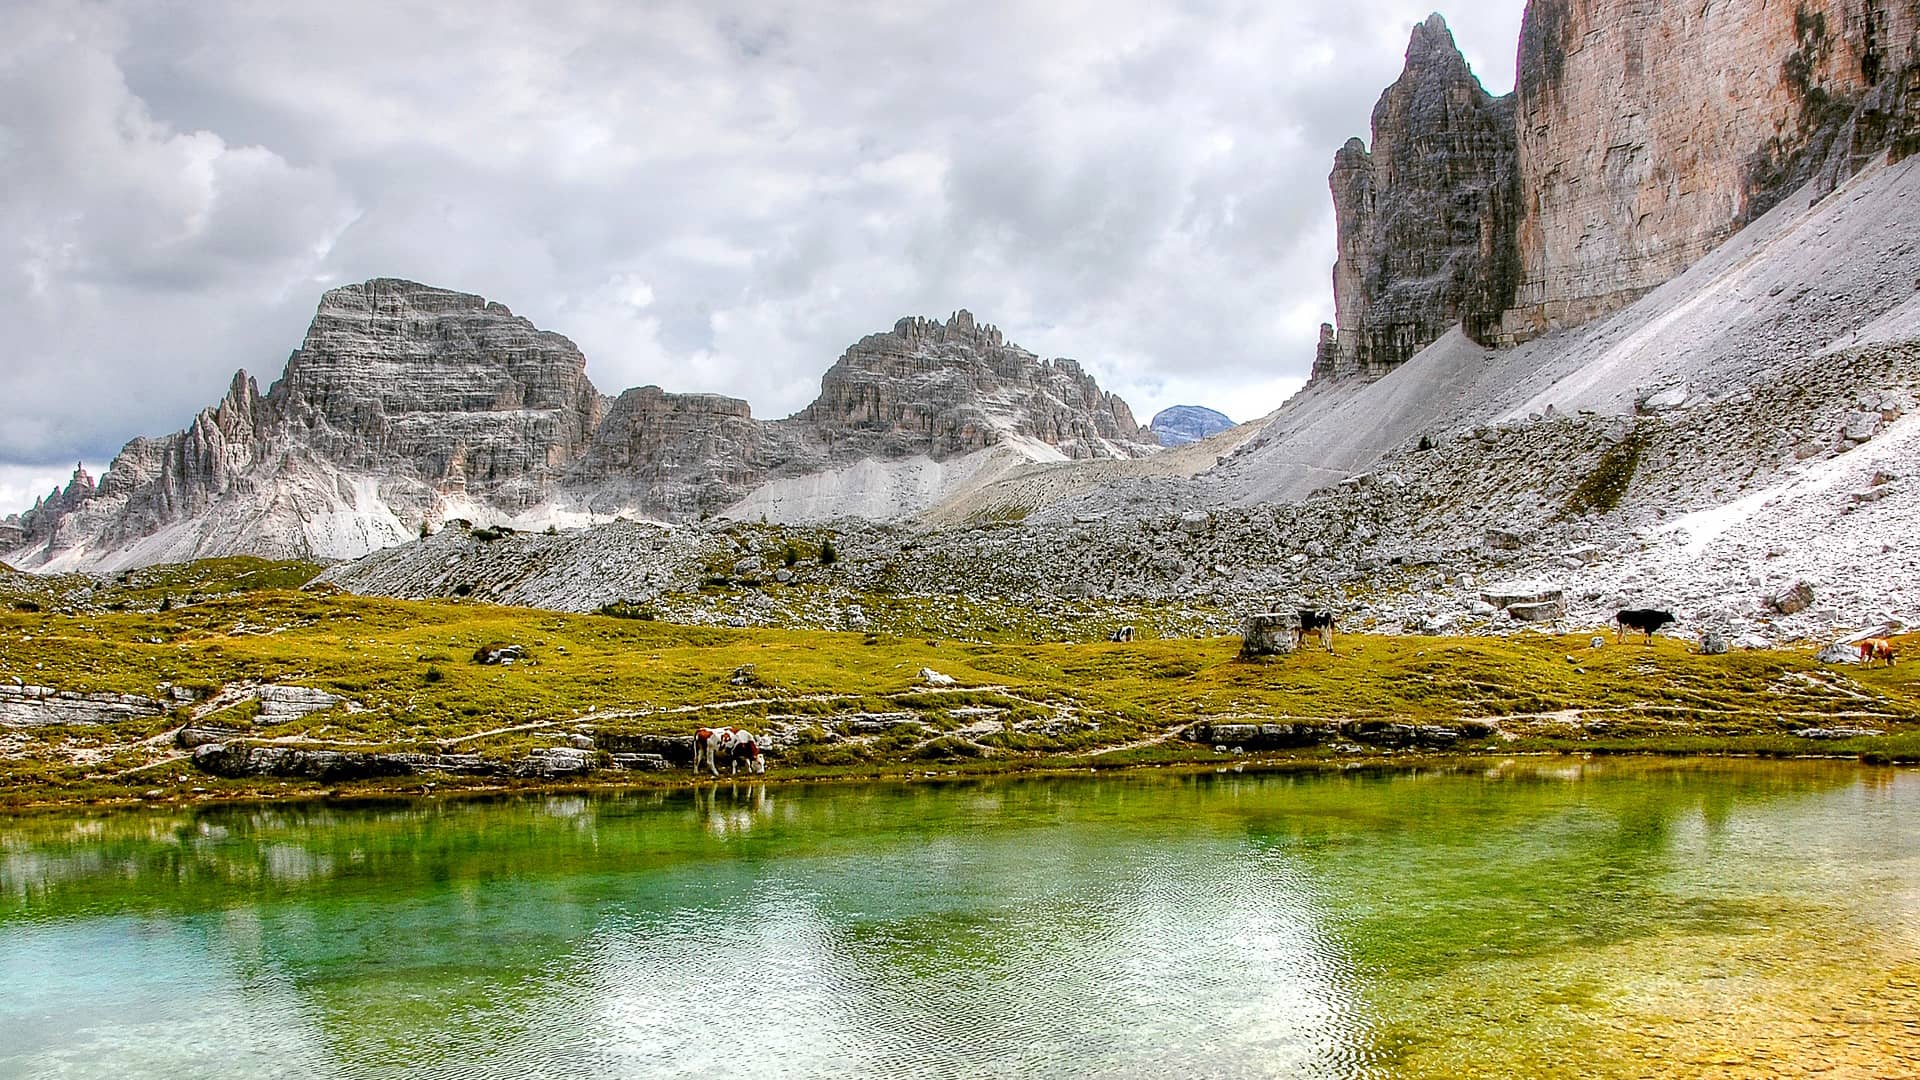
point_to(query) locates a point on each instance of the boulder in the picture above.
(279, 702)
(1540, 612)
(1860, 426)
(554, 762)
(499, 652)
(1195, 522)
(1503, 538)
(1270, 633)
(1793, 599)
(1508, 593)
(1713, 643)
(672, 749)
(931, 677)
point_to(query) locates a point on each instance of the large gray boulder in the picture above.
(1271, 633)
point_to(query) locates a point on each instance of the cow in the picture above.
(1878, 648)
(1123, 634)
(735, 744)
(1313, 621)
(1641, 621)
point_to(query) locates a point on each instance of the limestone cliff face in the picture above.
(1426, 217)
(1649, 131)
(399, 379)
(676, 455)
(949, 388)
(1641, 134)
(406, 405)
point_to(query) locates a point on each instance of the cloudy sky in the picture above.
(716, 195)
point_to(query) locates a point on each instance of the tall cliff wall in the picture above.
(1649, 130)
(1640, 135)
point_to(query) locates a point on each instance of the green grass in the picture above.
(405, 667)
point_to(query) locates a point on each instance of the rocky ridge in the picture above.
(408, 405)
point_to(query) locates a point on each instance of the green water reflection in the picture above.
(1514, 919)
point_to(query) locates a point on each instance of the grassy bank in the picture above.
(839, 703)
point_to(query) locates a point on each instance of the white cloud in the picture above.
(707, 196)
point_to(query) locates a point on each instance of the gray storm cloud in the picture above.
(706, 196)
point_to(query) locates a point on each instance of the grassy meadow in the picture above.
(841, 703)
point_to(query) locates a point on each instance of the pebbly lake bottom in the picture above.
(1532, 918)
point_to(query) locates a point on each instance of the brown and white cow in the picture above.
(734, 744)
(1876, 649)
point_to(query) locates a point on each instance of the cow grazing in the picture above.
(1877, 649)
(1123, 634)
(734, 744)
(1314, 622)
(1641, 621)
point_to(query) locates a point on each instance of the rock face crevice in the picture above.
(1640, 135)
(407, 405)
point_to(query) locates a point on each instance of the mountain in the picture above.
(407, 406)
(1640, 135)
(1183, 424)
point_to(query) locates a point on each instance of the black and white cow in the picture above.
(1314, 622)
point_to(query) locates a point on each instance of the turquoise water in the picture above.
(1567, 919)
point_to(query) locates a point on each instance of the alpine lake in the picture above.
(1527, 917)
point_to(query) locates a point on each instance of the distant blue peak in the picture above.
(1183, 424)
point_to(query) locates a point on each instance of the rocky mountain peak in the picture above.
(1179, 425)
(953, 387)
(1426, 216)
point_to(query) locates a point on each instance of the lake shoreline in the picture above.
(444, 786)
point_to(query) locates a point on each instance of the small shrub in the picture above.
(792, 556)
(628, 609)
(828, 556)
(433, 674)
